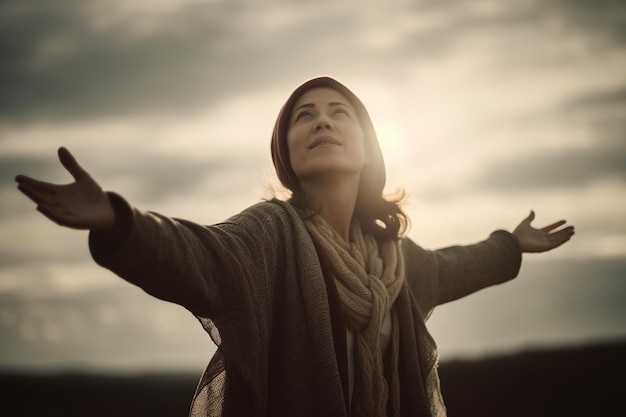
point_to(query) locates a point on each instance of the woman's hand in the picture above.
(541, 240)
(79, 205)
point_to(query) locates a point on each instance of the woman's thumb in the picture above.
(70, 163)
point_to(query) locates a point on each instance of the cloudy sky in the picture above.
(484, 109)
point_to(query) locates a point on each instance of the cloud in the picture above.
(82, 59)
(152, 177)
(63, 64)
(603, 100)
(599, 157)
(118, 328)
(604, 111)
(171, 104)
(558, 170)
(550, 303)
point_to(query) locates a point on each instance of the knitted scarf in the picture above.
(368, 275)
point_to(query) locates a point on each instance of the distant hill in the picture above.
(588, 381)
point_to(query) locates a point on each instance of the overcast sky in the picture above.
(484, 109)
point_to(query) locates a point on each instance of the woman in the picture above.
(318, 304)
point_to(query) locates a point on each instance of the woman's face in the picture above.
(324, 136)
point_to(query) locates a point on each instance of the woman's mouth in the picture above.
(324, 140)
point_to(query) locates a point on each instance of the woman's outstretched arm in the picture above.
(81, 204)
(207, 269)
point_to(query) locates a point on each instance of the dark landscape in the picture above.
(586, 381)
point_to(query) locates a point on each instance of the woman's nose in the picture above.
(322, 122)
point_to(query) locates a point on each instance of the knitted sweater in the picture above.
(256, 285)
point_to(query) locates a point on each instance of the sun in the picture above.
(391, 140)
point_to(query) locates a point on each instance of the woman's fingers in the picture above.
(562, 236)
(40, 186)
(553, 226)
(37, 193)
(70, 163)
(565, 233)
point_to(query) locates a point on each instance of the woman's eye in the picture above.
(341, 111)
(302, 114)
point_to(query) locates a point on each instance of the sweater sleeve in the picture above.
(447, 274)
(206, 269)
(463, 270)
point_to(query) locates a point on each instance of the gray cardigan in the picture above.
(256, 285)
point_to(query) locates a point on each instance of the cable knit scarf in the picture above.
(369, 275)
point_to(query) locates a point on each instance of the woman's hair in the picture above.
(381, 217)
